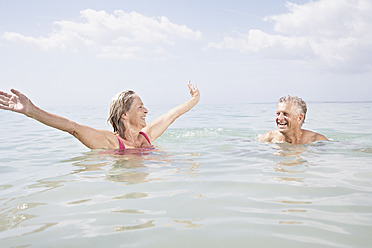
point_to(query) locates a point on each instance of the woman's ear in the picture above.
(124, 116)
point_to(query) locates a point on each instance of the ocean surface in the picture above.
(208, 183)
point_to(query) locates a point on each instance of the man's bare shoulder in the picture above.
(271, 136)
(310, 136)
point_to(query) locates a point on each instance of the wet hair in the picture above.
(298, 102)
(120, 104)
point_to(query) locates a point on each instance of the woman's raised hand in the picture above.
(16, 102)
(194, 91)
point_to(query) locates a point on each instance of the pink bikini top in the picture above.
(122, 146)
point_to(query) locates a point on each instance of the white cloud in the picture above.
(118, 35)
(335, 34)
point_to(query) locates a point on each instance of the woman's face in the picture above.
(136, 116)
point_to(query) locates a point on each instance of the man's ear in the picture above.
(301, 118)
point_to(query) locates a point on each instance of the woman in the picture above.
(127, 116)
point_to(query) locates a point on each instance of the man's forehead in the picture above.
(286, 106)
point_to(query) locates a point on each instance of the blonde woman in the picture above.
(127, 117)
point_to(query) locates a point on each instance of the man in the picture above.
(290, 115)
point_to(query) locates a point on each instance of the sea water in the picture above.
(207, 183)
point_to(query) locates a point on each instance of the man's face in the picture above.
(288, 117)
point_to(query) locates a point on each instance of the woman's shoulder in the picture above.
(111, 138)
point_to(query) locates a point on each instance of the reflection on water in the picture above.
(46, 184)
(293, 202)
(188, 223)
(79, 201)
(106, 194)
(194, 196)
(289, 179)
(13, 219)
(128, 177)
(74, 199)
(364, 149)
(290, 161)
(290, 154)
(147, 224)
(290, 222)
(294, 210)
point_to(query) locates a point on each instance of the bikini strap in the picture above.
(121, 144)
(146, 137)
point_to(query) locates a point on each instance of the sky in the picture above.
(82, 52)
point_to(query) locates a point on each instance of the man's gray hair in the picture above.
(298, 102)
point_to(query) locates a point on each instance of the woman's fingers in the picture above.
(192, 88)
(16, 92)
(4, 99)
(5, 95)
(194, 91)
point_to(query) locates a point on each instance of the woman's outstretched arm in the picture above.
(90, 137)
(158, 126)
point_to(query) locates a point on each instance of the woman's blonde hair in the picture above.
(120, 104)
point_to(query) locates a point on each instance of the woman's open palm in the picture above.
(16, 102)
